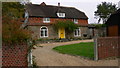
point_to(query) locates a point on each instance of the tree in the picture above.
(13, 9)
(11, 23)
(104, 10)
(11, 32)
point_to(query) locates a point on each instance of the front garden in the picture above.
(84, 49)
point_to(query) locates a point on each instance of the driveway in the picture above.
(45, 56)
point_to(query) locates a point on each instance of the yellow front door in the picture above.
(61, 33)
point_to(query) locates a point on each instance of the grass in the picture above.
(85, 49)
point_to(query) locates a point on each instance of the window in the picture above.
(61, 14)
(77, 32)
(46, 20)
(75, 21)
(43, 31)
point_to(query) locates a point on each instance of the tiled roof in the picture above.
(38, 24)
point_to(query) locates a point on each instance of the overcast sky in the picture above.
(87, 6)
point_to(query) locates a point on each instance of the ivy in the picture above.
(68, 25)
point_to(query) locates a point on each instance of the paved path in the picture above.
(45, 56)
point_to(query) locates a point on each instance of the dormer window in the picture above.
(75, 21)
(46, 20)
(61, 14)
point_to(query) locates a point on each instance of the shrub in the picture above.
(98, 26)
(11, 32)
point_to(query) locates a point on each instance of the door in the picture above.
(61, 33)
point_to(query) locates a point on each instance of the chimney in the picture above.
(43, 4)
(58, 3)
(119, 4)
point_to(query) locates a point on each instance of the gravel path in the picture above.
(45, 56)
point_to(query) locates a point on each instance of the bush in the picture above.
(98, 26)
(11, 32)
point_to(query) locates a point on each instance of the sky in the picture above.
(86, 6)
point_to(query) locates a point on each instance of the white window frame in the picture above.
(43, 31)
(75, 21)
(46, 20)
(78, 32)
(61, 14)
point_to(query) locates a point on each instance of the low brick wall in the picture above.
(14, 55)
(108, 47)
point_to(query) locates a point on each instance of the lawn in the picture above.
(85, 49)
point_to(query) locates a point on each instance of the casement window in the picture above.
(46, 20)
(61, 14)
(44, 31)
(77, 32)
(75, 21)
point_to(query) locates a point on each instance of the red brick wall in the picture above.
(53, 20)
(14, 55)
(108, 47)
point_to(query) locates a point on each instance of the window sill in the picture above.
(43, 37)
(78, 36)
(46, 21)
(75, 22)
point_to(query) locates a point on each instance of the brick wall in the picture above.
(14, 55)
(108, 47)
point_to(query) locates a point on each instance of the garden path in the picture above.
(45, 56)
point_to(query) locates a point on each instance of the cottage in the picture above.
(40, 18)
(113, 24)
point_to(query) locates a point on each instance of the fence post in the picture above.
(30, 61)
(95, 49)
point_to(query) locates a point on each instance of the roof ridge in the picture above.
(60, 6)
(53, 6)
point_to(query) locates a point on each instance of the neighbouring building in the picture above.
(40, 18)
(109, 46)
(113, 24)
